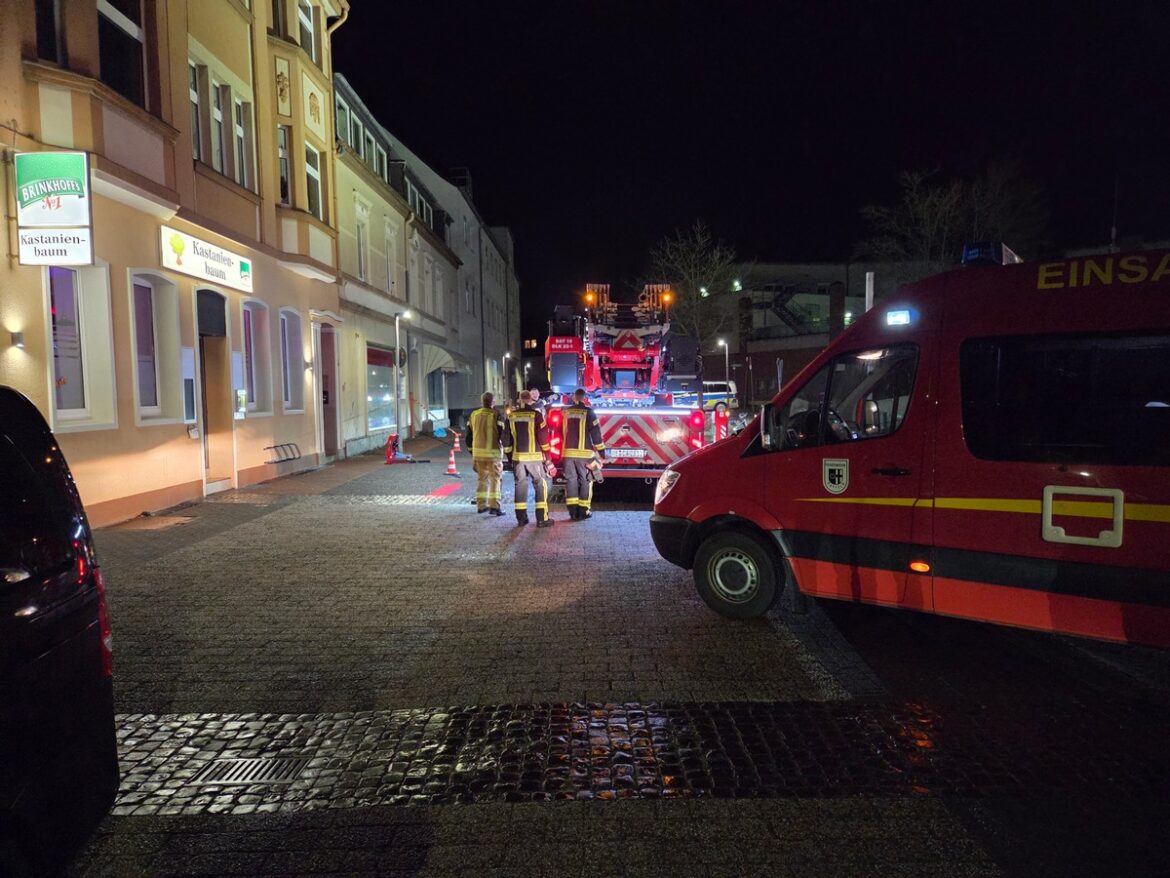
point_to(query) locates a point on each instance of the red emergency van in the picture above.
(991, 443)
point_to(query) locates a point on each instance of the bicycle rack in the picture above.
(284, 452)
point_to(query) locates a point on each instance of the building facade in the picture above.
(198, 350)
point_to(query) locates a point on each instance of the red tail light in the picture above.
(104, 623)
(697, 420)
(554, 418)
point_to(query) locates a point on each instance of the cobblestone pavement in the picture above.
(451, 694)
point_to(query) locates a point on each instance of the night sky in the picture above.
(594, 129)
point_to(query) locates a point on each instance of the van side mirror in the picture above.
(768, 438)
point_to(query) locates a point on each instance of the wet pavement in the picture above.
(454, 695)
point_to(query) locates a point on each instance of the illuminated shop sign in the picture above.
(190, 255)
(53, 208)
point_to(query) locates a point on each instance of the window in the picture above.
(313, 173)
(282, 137)
(243, 152)
(291, 360)
(83, 372)
(381, 167)
(362, 245)
(145, 346)
(48, 13)
(862, 395)
(357, 135)
(371, 152)
(307, 21)
(341, 119)
(380, 410)
(278, 20)
(256, 359)
(193, 92)
(68, 364)
(391, 258)
(217, 127)
(121, 52)
(1093, 399)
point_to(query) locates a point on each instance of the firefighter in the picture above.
(484, 438)
(526, 444)
(582, 441)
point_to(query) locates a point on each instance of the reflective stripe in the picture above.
(1072, 508)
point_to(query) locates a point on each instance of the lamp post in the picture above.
(504, 369)
(405, 315)
(726, 363)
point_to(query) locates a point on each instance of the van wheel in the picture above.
(736, 575)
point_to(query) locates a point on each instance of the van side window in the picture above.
(860, 395)
(34, 520)
(1101, 399)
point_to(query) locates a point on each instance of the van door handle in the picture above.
(890, 471)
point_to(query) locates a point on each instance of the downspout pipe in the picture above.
(482, 329)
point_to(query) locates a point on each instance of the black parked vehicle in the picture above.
(58, 754)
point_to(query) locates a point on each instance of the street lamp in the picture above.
(726, 364)
(504, 370)
(405, 315)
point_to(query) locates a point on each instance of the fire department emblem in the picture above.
(835, 475)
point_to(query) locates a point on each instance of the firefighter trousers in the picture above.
(525, 472)
(578, 485)
(487, 484)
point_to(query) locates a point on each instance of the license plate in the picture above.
(627, 452)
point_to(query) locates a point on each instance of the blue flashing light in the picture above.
(900, 317)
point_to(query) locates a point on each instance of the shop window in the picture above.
(316, 204)
(380, 375)
(157, 368)
(257, 384)
(291, 361)
(81, 335)
(121, 49)
(282, 138)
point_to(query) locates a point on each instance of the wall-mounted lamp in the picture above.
(18, 340)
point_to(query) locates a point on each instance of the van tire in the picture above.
(736, 574)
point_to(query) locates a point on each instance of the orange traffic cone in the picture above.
(451, 471)
(457, 448)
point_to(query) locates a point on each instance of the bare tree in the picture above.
(933, 220)
(698, 268)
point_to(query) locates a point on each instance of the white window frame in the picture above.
(240, 143)
(196, 110)
(313, 175)
(357, 141)
(156, 409)
(341, 108)
(91, 288)
(291, 360)
(218, 144)
(361, 232)
(254, 346)
(371, 150)
(391, 236)
(283, 168)
(117, 18)
(306, 20)
(382, 166)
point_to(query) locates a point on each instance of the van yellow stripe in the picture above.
(1072, 508)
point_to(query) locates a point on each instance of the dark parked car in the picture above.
(58, 754)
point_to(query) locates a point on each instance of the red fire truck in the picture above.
(992, 443)
(627, 360)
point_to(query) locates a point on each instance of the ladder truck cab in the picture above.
(629, 364)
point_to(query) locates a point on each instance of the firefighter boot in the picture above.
(573, 512)
(542, 519)
(583, 512)
(521, 517)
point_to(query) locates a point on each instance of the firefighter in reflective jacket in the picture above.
(526, 444)
(582, 440)
(484, 438)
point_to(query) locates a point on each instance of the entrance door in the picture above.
(846, 478)
(215, 385)
(329, 401)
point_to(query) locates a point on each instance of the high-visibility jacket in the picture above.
(526, 439)
(582, 432)
(484, 434)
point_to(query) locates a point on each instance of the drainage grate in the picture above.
(251, 771)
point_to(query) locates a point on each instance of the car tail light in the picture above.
(99, 582)
(554, 418)
(697, 420)
(696, 429)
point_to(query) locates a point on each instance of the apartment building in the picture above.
(194, 346)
